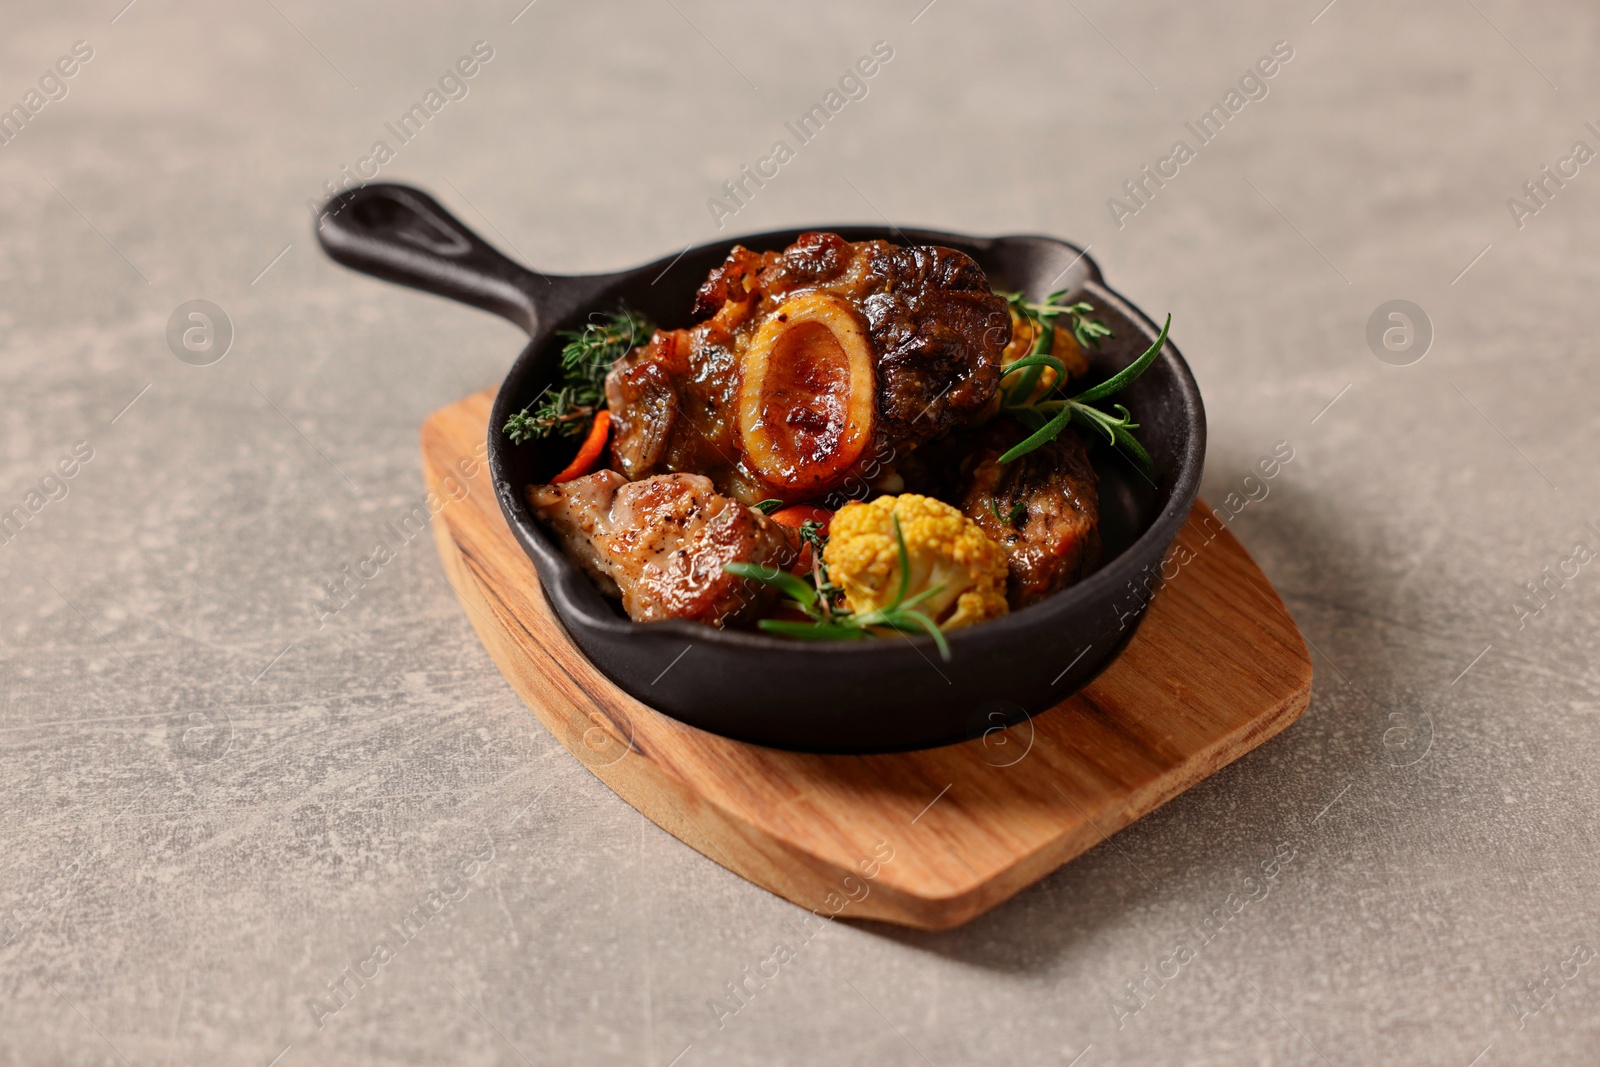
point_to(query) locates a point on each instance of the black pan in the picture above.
(866, 696)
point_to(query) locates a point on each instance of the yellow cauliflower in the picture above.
(945, 550)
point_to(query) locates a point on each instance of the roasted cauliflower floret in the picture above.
(945, 550)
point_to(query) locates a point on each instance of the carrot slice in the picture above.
(588, 457)
(792, 517)
(796, 514)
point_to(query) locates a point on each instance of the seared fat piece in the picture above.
(1048, 503)
(818, 368)
(660, 544)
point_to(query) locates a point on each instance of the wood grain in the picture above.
(925, 839)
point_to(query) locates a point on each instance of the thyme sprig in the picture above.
(586, 359)
(829, 621)
(1047, 417)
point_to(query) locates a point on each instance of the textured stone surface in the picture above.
(215, 805)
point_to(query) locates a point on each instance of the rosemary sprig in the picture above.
(831, 622)
(586, 359)
(1117, 428)
(1041, 317)
(1087, 331)
(1018, 510)
(1049, 416)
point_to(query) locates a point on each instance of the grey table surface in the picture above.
(218, 801)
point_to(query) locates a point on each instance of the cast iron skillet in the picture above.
(866, 696)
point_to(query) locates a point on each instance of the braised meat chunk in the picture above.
(813, 365)
(1043, 508)
(660, 544)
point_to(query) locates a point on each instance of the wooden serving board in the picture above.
(926, 839)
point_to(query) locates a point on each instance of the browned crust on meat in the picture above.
(935, 328)
(660, 544)
(1053, 491)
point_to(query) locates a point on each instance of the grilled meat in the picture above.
(1043, 508)
(814, 368)
(659, 544)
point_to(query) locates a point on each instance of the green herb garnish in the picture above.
(1018, 510)
(768, 506)
(829, 621)
(811, 533)
(586, 359)
(1087, 331)
(1050, 415)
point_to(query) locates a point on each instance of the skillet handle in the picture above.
(402, 234)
